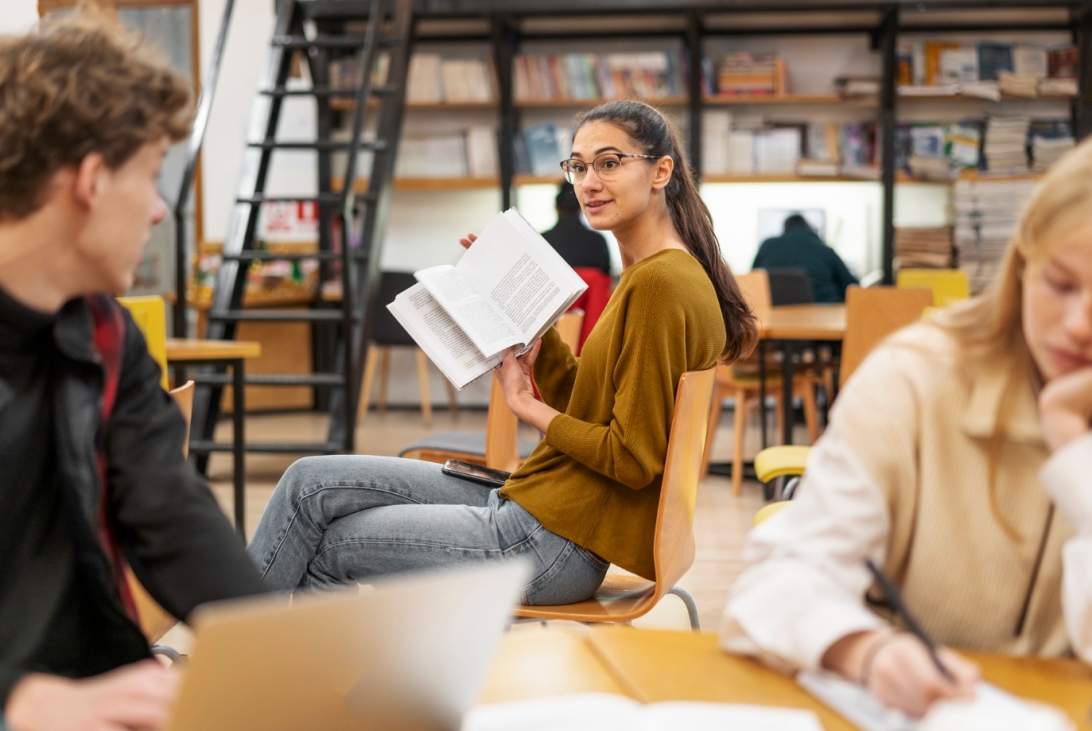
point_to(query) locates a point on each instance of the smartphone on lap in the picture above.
(475, 473)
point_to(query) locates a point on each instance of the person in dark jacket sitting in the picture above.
(801, 248)
(92, 477)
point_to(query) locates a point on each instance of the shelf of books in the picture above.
(772, 99)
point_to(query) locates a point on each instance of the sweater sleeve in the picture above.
(631, 448)
(178, 542)
(555, 371)
(1065, 477)
(816, 548)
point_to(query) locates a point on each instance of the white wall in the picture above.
(18, 16)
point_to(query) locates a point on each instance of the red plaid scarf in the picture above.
(110, 342)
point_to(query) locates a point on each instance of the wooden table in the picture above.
(788, 325)
(656, 665)
(232, 353)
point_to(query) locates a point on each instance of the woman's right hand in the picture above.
(467, 240)
(137, 696)
(1065, 407)
(897, 668)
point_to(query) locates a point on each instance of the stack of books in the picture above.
(924, 247)
(1005, 148)
(987, 70)
(1049, 139)
(466, 153)
(590, 76)
(751, 74)
(987, 213)
(1024, 85)
(434, 80)
(716, 125)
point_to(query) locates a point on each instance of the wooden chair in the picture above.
(499, 447)
(874, 313)
(155, 621)
(624, 597)
(947, 285)
(871, 315)
(388, 333)
(741, 381)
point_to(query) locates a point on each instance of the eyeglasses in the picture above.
(606, 165)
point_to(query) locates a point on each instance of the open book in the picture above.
(507, 290)
(608, 712)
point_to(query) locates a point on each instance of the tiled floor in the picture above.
(720, 524)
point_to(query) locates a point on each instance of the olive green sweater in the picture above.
(595, 478)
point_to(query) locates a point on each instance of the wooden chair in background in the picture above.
(871, 315)
(741, 382)
(499, 447)
(874, 313)
(624, 597)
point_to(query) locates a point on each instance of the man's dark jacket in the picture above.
(800, 248)
(170, 528)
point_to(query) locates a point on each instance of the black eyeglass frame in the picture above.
(572, 175)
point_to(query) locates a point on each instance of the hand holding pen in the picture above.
(905, 669)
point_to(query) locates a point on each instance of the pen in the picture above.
(893, 597)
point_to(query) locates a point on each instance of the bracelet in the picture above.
(873, 650)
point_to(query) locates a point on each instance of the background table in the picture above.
(232, 353)
(787, 326)
(655, 665)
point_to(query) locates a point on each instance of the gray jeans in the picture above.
(351, 519)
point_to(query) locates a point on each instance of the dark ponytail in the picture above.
(655, 136)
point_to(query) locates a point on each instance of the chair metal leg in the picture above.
(691, 607)
(168, 652)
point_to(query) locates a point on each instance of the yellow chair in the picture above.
(947, 285)
(150, 315)
(500, 448)
(770, 510)
(624, 597)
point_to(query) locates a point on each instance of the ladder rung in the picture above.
(322, 198)
(267, 379)
(326, 41)
(200, 446)
(265, 255)
(314, 91)
(276, 316)
(337, 9)
(319, 145)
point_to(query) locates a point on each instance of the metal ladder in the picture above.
(317, 30)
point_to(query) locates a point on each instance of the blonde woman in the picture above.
(958, 459)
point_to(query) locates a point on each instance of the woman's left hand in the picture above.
(1065, 408)
(514, 375)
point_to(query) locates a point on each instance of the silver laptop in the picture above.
(409, 655)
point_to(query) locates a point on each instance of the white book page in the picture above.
(440, 336)
(701, 716)
(489, 329)
(519, 273)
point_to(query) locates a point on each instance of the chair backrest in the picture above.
(183, 396)
(948, 285)
(674, 544)
(755, 286)
(569, 326)
(874, 313)
(387, 331)
(790, 287)
(150, 315)
(154, 619)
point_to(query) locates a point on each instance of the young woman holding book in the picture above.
(588, 495)
(957, 459)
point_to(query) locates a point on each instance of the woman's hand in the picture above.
(1065, 408)
(514, 375)
(467, 240)
(897, 669)
(137, 696)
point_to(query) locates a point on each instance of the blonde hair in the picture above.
(80, 85)
(990, 328)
